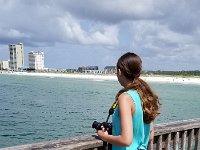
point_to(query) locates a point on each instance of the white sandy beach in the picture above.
(98, 77)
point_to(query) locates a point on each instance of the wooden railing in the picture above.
(177, 135)
(169, 136)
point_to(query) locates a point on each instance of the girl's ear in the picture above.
(119, 72)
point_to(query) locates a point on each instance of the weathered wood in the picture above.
(159, 143)
(166, 128)
(197, 139)
(150, 145)
(190, 138)
(167, 142)
(183, 140)
(75, 143)
(163, 138)
(176, 140)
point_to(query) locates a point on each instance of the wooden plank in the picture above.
(150, 145)
(176, 126)
(159, 143)
(197, 139)
(167, 142)
(183, 140)
(190, 138)
(79, 142)
(92, 142)
(176, 140)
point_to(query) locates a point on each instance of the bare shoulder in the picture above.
(124, 98)
(126, 104)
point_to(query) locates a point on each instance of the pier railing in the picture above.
(177, 135)
(168, 136)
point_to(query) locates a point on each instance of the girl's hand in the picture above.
(102, 134)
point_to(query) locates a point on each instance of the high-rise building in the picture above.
(36, 60)
(16, 56)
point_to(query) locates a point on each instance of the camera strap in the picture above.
(112, 109)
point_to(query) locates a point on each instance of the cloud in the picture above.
(110, 11)
(13, 33)
(39, 23)
(164, 31)
(158, 35)
(61, 21)
(106, 35)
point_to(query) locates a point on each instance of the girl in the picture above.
(137, 107)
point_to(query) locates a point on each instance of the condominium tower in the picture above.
(36, 60)
(16, 56)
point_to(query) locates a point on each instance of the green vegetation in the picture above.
(195, 73)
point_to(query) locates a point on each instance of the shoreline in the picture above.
(166, 79)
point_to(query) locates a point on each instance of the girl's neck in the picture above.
(127, 83)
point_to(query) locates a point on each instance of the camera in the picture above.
(108, 126)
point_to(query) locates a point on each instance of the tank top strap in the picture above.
(135, 97)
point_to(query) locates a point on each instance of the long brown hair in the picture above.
(130, 65)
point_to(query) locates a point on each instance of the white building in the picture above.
(4, 65)
(16, 56)
(110, 69)
(36, 60)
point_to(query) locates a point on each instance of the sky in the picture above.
(74, 33)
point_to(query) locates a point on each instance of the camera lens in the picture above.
(95, 124)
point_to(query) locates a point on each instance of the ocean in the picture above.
(35, 109)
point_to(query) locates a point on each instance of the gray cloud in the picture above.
(110, 11)
(43, 22)
(160, 31)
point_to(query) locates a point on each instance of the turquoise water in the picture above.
(34, 109)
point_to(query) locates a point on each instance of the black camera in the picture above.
(108, 126)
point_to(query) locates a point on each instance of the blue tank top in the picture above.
(141, 130)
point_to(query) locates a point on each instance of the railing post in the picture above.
(168, 140)
(150, 145)
(197, 138)
(159, 143)
(190, 137)
(183, 140)
(176, 140)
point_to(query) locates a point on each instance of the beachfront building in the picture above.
(90, 69)
(93, 71)
(4, 65)
(110, 69)
(36, 60)
(16, 56)
(83, 69)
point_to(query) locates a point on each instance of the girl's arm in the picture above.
(125, 138)
(151, 131)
